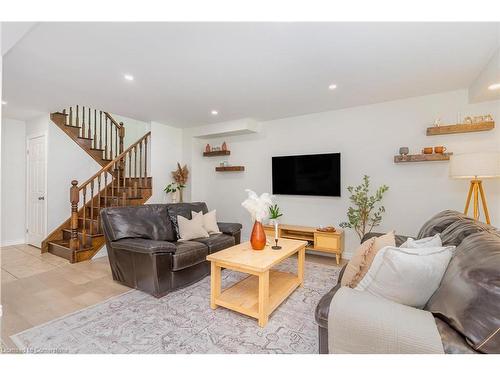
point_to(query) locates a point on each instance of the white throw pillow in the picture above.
(209, 221)
(191, 229)
(434, 241)
(406, 276)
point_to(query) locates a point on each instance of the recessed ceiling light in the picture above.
(214, 112)
(4, 102)
(333, 86)
(128, 77)
(494, 86)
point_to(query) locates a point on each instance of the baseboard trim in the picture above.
(13, 242)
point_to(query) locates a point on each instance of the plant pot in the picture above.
(258, 237)
(174, 197)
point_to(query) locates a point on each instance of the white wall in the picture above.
(66, 161)
(368, 137)
(134, 129)
(166, 151)
(13, 182)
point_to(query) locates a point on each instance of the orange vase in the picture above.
(258, 237)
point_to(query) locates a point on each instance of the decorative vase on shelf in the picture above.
(177, 196)
(258, 237)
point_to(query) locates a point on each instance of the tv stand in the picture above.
(327, 242)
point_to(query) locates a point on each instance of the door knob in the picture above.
(41, 198)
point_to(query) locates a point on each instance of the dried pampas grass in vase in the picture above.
(180, 176)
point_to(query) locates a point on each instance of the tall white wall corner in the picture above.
(478, 90)
(166, 151)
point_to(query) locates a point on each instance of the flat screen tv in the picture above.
(307, 175)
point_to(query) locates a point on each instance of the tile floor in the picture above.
(37, 288)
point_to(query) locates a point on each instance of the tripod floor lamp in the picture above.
(476, 166)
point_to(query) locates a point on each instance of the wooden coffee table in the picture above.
(259, 294)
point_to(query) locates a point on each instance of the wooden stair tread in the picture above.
(65, 244)
(86, 218)
(73, 126)
(90, 139)
(94, 235)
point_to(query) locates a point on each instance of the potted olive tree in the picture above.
(364, 215)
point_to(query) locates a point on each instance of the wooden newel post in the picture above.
(74, 197)
(122, 136)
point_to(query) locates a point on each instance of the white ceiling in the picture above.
(12, 32)
(260, 70)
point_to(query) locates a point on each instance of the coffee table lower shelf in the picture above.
(243, 296)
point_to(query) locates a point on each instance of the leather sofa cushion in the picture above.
(439, 222)
(453, 342)
(187, 254)
(217, 242)
(149, 221)
(141, 245)
(455, 233)
(229, 228)
(184, 210)
(468, 298)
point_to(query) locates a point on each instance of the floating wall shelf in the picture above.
(461, 128)
(226, 129)
(422, 157)
(234, 168)
(217, 153)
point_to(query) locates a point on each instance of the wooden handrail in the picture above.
(127, 174)
(104, 131)
(118, 125)
(114, 161)
(121, 131)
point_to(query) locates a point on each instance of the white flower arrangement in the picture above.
(258, 207)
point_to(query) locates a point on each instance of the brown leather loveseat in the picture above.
(144, 252)
(466, 306)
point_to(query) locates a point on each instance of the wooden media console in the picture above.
(327, 242)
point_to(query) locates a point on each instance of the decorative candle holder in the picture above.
(276, 247)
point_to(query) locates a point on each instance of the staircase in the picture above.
(122, 181)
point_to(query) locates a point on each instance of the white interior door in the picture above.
(36, 191)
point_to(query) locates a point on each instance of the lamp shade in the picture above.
(475, 165)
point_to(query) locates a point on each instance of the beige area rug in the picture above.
(182, 322)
